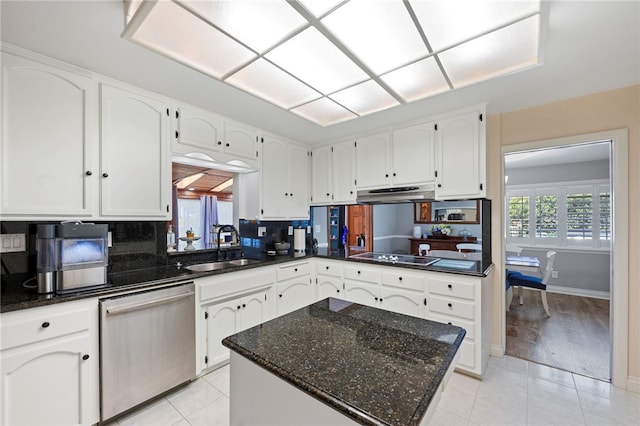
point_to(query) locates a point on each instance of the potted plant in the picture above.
(441, 231)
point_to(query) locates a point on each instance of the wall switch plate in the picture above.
(308, 229)
(262, 231)
(290, 230)
(12, 243)
(554, 274)
(109, 239)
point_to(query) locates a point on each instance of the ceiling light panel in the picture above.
(316, 61)
(447, 22)
(176, 33)
(324, 112)
(257, 23)
(267, 81)
(365, 98)
(380, 33)
(501, 52)
(319, 7)
(418, 80)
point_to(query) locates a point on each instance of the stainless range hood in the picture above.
(400, 194)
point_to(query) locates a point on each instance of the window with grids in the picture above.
(546, 216)
(519, 216)
(562, 215)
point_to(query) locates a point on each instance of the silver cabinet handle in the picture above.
(115, 311)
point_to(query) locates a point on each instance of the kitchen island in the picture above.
(336, 362)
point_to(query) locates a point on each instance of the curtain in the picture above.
(209, 218)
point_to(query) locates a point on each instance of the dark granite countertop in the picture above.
(375, 366)
(14, 296)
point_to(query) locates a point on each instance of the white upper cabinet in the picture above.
(461, 155)
(321, 178)
(333, 177)
(241, 141)
(371, 161)
(413, 150)
(134, 177)
(284, 180)
(196, 131)
(403, 157)
(343, 173)
(49, 140)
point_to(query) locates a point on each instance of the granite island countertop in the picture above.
(374, 366)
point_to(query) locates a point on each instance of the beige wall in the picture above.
(615, 109)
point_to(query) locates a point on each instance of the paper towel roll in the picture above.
(299, 240)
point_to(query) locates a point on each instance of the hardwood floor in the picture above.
(576, 338)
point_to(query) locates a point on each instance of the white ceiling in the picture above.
(591, 46)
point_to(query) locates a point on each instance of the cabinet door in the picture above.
(460, 157)
(294, 294)
(361, 292)
(344, 190)
(298, 183)
(49, 383)
(222, 321)
(240, 141)
(329, 287)
(403, 301)
(49, 163)
(274, 178)
(254, 310)
(321, 187)
(413, 152)
(371, 161)
(196, 131)
(135, 175)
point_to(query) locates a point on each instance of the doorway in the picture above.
(617, 344)
(360, 225)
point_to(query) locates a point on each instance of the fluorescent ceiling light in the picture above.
(224, 185)
(335, 60)
(189, 180)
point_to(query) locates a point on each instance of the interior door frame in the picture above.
(619, 278)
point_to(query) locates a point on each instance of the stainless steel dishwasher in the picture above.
(147, 346)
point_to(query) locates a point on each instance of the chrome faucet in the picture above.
(227, 228)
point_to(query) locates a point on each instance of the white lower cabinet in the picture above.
(49, 365)
(463, 301)
(230, 303)
(328, 286)
(294, 287)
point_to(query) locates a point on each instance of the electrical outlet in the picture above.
(554, 274)
(262, 231)
(12, 243)
(109, 239)
(290, 230)
(308, 229)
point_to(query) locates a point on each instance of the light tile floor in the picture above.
(513, 392)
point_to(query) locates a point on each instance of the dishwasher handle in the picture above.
(124, 309)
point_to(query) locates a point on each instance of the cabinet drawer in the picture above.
(292, 271)
(362, 274)
(402, 280)
(453, 287)
(469, 326)
(451, 306)
(37, 324)
(329, 268)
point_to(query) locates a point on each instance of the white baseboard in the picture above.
(596, 294)
(497, 350)
(633, 384)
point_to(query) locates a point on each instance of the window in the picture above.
(519, 216)
(189, 217)
(562, 215)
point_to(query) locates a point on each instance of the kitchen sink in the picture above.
(207, 267)
(243, 262)
(214, 266)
